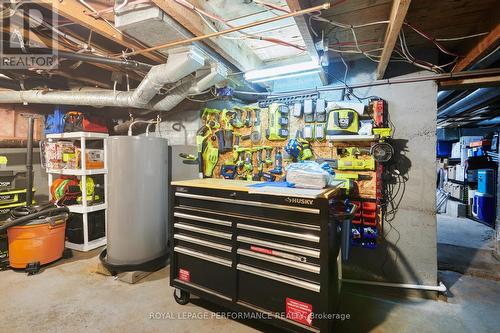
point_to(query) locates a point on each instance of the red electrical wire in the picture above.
(281, 42)
(431, 39)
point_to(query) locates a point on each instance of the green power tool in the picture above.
(210, 158)
(269, 158)
(248, 164)
(235, 117)
(349, 179)
(349, 159)
(260, 163)
(201, 137)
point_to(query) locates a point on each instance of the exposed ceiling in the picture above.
(423, 22)
(237, 13)
(441, 19)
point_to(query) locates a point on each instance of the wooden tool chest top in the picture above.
(273, 255)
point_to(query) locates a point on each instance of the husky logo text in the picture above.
(299, 201)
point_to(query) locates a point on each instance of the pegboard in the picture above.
(321, 149)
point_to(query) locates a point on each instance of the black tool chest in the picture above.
(270, 255)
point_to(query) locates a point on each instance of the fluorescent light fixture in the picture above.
(282, 72)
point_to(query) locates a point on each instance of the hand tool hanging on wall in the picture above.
(349, 179)
(201, 137)
(248, 117)
(210, 156)
(220, 141)
(248, 165)
(260, 163)
(305, 150)
(382, 151)
(256, 135)
(278, 163)
(211, 117)
(236, 117)
(227, 129)
(299, 148)
(269, 151)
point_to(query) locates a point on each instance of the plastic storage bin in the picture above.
(96, 225)
(483, 208)
(443, 148)
(486, 181)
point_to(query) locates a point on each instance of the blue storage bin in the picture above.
(483, 207)
(486, 181)
(444, 148)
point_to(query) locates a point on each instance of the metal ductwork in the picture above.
(217, 74)
(179, 64)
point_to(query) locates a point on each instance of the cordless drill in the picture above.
(278, 163)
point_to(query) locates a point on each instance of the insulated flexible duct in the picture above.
(180, 63)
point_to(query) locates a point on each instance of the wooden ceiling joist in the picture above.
(305, 32)
(486, 44)
(236, 52)
(396, 20)
(471, 83)
(75, 11)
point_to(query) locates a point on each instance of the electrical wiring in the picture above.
(421, 63)
(403, 53)
(270, 5)
(212, 91)
(460, 38)
(98, 13)
(83, 2)
(214, 17)
(431, 39)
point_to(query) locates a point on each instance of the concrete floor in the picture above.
(466, 246)
(464, 232)
(68, 296)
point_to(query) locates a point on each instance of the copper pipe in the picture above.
(238, 28)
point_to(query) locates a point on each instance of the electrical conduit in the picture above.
(440, 288)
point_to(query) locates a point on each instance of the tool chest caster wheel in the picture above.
(181, 296)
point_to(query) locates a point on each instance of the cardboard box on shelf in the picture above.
(459, 172)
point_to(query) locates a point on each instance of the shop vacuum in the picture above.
(35, 234)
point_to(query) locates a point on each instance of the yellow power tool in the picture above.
(349, 160)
